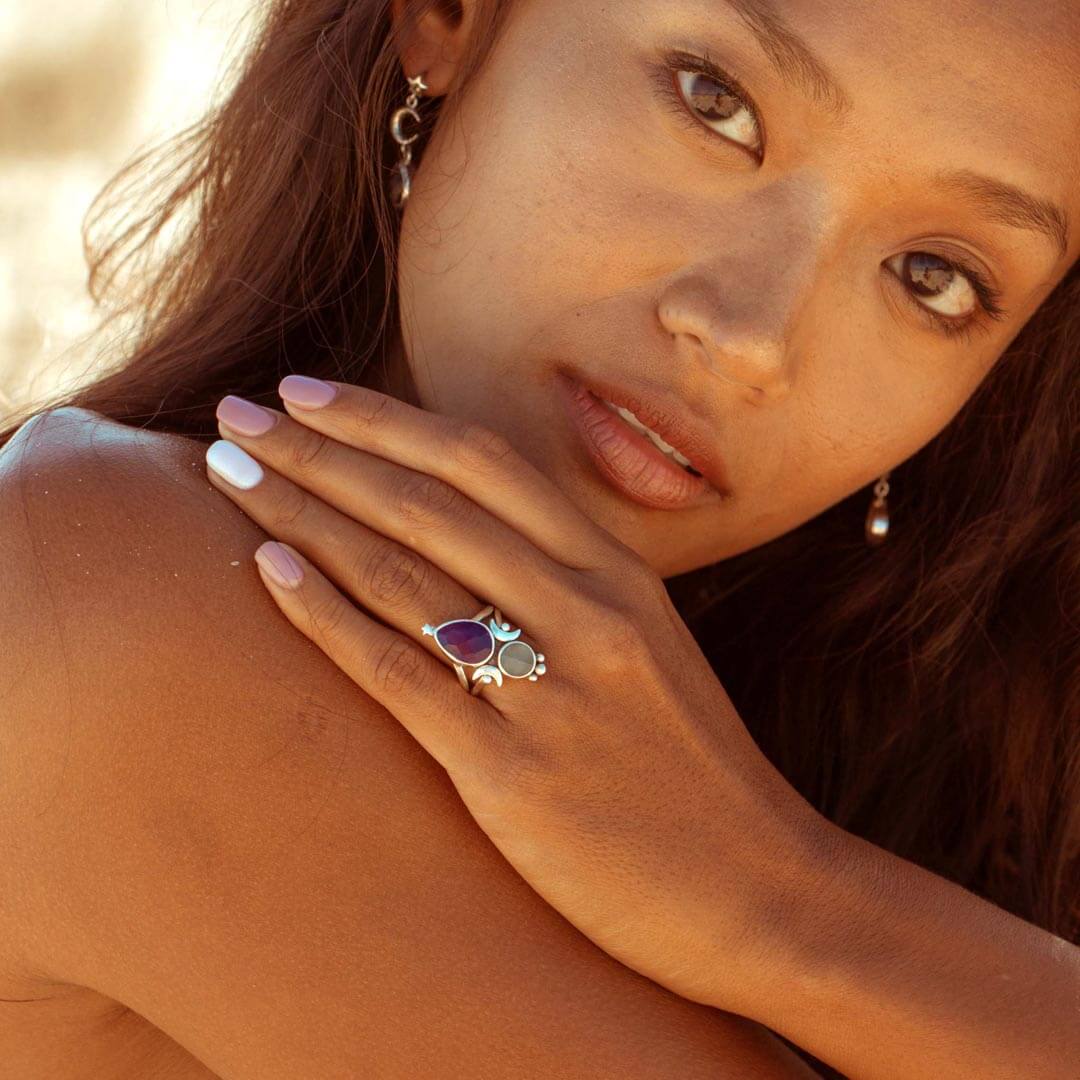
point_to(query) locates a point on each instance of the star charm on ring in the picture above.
(472, 642)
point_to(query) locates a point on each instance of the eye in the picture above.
(717, 103)
(951, 294)
(703, 90)
(944, 286)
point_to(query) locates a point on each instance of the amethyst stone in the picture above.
(466, 641)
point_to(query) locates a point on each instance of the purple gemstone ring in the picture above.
(489, 647)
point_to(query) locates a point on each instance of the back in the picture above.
(209, 826)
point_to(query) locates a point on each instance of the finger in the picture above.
(477, 461)
(458, 729)
(394, 583)
(424, 514)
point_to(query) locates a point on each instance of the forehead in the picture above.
(1047, 24)
(1010, 51)
(1001, 78)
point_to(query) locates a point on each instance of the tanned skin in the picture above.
(222, 858)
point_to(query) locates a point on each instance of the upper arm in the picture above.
(214, 826)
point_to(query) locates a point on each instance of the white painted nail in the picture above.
(233, 464)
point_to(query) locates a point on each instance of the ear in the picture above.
(434, 42)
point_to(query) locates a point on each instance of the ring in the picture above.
(472, 643)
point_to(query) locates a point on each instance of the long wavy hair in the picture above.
(924, 694)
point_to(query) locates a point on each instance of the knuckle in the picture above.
(396, 576)
(308, 454)
(479, 449)
(646, 582)
(632, 575)
(616, 627)
(289, 507)
(326, 615)
(424, 500)
(622, 640)
(375, 409)
(396, 666)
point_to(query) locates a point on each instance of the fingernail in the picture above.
(279, 564)
(245, 416)
(234, 464)
(305, 392)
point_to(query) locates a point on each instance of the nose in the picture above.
(739, 344)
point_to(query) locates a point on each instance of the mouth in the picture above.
(645, 444)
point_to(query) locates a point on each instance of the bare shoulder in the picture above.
(215, 827)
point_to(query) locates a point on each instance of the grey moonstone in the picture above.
(517, 659)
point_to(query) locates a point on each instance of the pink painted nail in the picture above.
(275, 559)
(305, 392)
(245, 416)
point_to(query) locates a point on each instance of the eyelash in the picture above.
(673, 62)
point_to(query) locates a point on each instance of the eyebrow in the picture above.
(799, 66)
(792, 57)
(1010, 205)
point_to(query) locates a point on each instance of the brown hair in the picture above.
(923, 695)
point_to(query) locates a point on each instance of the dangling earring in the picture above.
(877, 517)
(401, 181)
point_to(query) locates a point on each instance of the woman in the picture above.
(675, 284)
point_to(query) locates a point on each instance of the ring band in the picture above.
(489, 646)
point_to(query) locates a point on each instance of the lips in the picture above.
(667, 416)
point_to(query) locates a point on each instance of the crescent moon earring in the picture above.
(401, 181)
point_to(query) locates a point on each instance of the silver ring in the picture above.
(489, 646)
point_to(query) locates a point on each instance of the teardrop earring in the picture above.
(877, 517)
(401, 181)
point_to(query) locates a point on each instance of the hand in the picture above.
(622, 785)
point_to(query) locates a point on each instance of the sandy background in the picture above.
(83, 85)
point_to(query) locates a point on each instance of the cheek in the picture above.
(501, 238)
(487, 266)
(862, 408)
(535, 195)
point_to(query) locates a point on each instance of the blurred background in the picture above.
(84, 84)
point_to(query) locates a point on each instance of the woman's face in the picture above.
(601, 218)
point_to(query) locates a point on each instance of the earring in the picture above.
(877, 517)
(401, 181)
